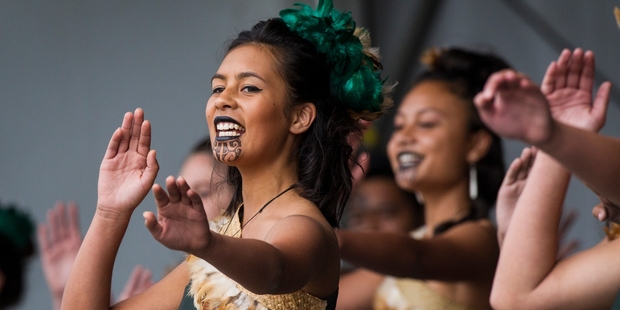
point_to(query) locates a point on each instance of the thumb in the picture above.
(152, 225)
(152, 167)
(599, 212)
(600, 104)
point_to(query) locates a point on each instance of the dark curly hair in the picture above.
(324, 151)
(465, 72)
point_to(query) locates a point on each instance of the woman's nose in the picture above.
(226, 100)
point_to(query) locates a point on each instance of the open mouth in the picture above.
(227, 128)
(407, 160)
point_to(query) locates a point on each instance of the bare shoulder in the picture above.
(475, 239)
(302, 218)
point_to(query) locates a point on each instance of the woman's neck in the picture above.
(261, 184)
(446, 204)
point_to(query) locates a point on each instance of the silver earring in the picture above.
(473, 182)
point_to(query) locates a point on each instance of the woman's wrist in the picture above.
(112, 215)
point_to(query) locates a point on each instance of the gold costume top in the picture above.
(210, 289)
(412, 294)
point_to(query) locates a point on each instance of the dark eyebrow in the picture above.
(249, 74)
(429, 109)
(239, 76)
(218, 76)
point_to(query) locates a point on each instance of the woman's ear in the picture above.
(302, 117)
(480, 144)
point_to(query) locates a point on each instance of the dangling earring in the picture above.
(473, 182)
(419, 198)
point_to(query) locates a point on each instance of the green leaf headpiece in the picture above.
(356, 71)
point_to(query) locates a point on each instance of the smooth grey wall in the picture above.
(70, 69)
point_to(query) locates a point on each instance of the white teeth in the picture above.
(409, 158)
(228, 134)
(228, 126)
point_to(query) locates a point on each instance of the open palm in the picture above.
(129, 166)
(568, 87)
(182, 222)
(59, 241)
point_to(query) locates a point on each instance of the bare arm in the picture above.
(528, 276)
(357, 289)
(530, 247)
(590, 156)
(165, 294)
(126, 174)
(442, 258)
(294, 251)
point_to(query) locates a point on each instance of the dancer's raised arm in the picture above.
(553, 124)
(127, 172)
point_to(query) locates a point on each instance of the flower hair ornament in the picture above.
(356, 71)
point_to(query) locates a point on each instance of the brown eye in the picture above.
(251, 89)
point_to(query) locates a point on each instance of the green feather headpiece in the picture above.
(356, 70)
(16, 226)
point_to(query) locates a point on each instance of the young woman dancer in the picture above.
(286, 97)
(439, 143)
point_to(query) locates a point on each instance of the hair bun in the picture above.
(355, 77)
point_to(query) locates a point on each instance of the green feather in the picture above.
(354, 81)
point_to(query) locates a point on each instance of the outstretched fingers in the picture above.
(151, 223)
(189, 196)
(548, 83)
(114, 144)
(562, 69)
(575, 66)
(161, 197)
(126, 132)
(586, 80)
(136, 129)
(512, 172)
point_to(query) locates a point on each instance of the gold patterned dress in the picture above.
(412, 294)
(209, 289)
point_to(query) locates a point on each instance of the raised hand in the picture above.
(181, 222)
(568, 87)
(512, 106)
(59, 241)
(511, 189)
(128, 168)
(139, 280)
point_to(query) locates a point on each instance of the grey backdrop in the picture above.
(69, 70)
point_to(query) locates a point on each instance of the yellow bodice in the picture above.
(212, 289)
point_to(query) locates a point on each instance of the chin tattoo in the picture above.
(227, 151)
